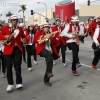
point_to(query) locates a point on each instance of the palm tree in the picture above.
(9, 14)
(23, 9)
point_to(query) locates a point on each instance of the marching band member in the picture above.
(36, 28)
(43, 50)
(91, 26)
(30, 47)
(82, 31)
(1, 55)
(71, 42)
(61, 43)
(96, 44)
(13, 51)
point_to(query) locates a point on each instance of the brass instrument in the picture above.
(7, 41)
(46, 37)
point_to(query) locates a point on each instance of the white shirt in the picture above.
(1, 46)
(96, 35)
(30, 39)
(67, 34)
(81, 32)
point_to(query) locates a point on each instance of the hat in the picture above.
(13, 17)
(58, 19)
(46, 25)
(91, 19)
(97, 17)
(74, 19)
(81, 23)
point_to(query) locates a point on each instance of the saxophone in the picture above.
(46, 37)
(8, 41)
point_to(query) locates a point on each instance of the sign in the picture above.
(46, 19)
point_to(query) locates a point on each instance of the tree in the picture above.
(9, 14)
(3, 22)
(23, 9)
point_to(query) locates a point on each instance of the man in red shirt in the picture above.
(13, 52)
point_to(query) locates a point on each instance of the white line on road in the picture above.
(83, 64)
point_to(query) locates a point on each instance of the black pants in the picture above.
(96, 58)
(49, 63)
(63, 49)
(16, 59)
(2, 63)
(31, 50)
(75, 49)
(24, 53)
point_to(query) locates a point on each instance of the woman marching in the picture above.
(30, 47)
(43, 49)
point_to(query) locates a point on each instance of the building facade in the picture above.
(65, 9)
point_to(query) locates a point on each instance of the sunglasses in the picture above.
(46, 27)
(14, 19)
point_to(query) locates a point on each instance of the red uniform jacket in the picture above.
(28, 37)
(61, 39)
(8, 49)
(92, 27)
(40, 47)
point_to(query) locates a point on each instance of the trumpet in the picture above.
(8, 41)
(46, 37)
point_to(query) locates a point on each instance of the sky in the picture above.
(13, 6)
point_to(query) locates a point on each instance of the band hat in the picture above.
(74, 19)
(58, 18)
(46, 25)
(91, 19)
(97, 17)
(13, 17)
(81, 23)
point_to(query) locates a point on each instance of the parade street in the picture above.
(65, 86)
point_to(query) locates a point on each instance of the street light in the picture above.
(45, 7)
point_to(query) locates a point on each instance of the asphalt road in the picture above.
(65, 86)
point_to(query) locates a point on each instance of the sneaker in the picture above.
(78, 65)
(54, 62)
(75, 73)
(24, 61)
(30, 69)
(3, 75)
(64, 64)
(94, 67)
(19, 86)
(35, 62)
(10, 88)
